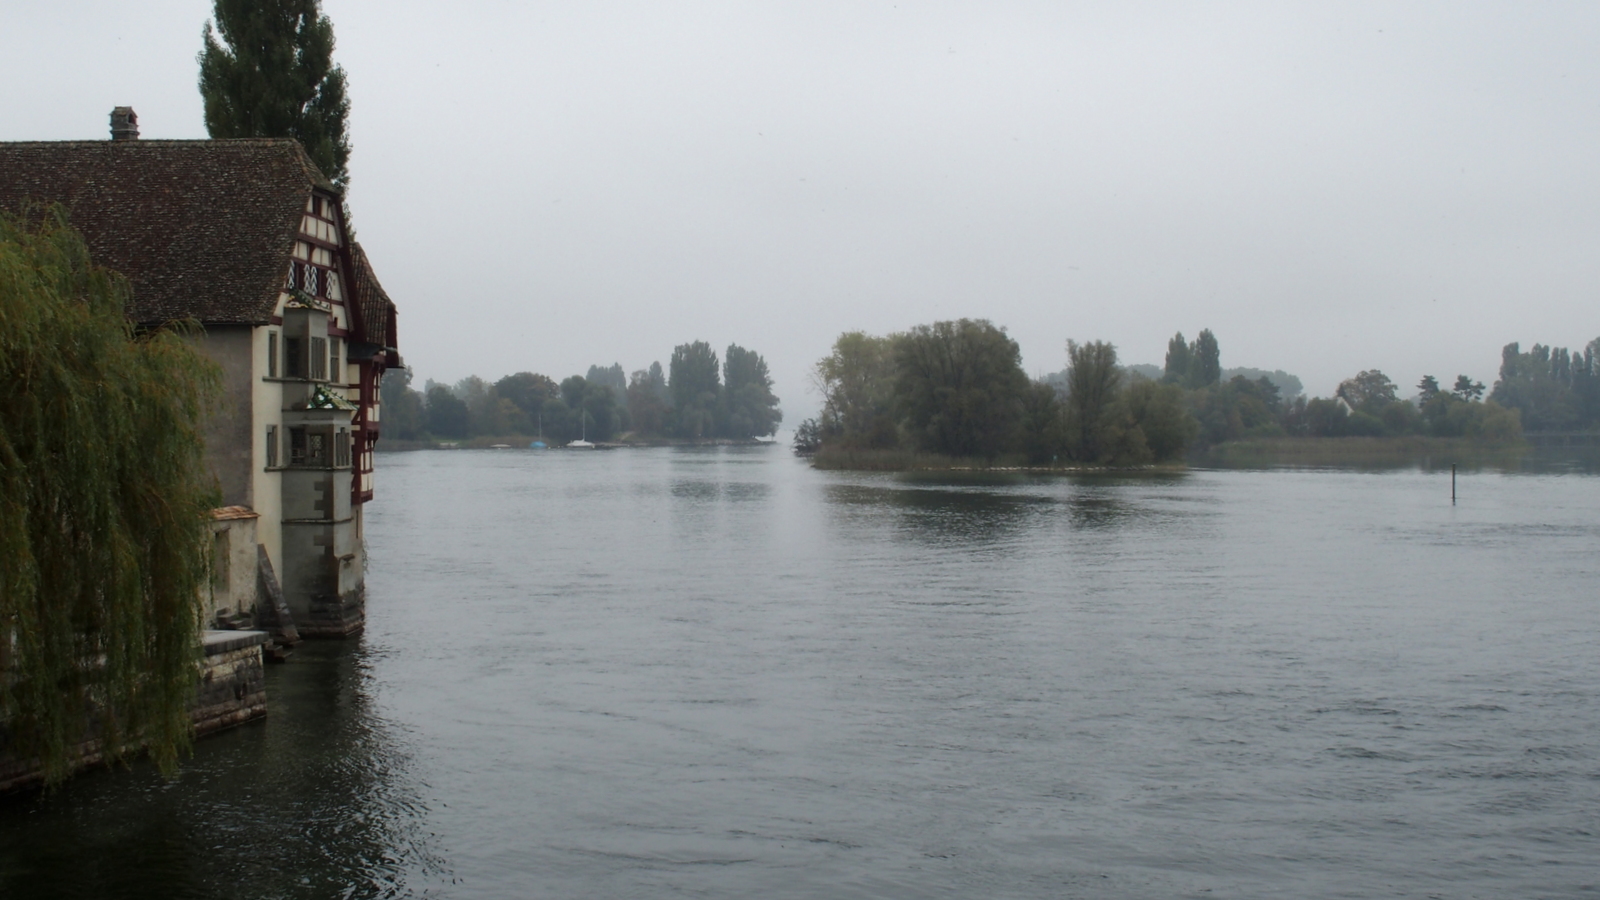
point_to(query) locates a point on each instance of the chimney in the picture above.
(124, 124)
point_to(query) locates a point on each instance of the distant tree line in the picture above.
(1553, 389)
(958, 389)
(695, 397)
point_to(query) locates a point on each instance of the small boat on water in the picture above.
(582, 442)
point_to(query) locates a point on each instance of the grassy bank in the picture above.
(1373, 452)
(892, 460)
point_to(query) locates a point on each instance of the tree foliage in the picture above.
(957, 388)
(403, 415)
(648, 401)
(448, 415)
(695, 384)
(960, 386)
(1238, 408)
(1369, 391)
(267, 71)
(1092, 382)
(857, 383)
(586, 410)
(1552, 388)
(611, 376)
(1179, 361)
(528, 403)
(1206, 367)
(528, 392)
(1288, 386)
(808, 437)
(1158, 419)
(1467, 389)
(1193, 365)
(749, 406)
(104, 506)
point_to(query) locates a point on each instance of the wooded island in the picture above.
(954, 393)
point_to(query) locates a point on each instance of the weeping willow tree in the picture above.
(103, 508)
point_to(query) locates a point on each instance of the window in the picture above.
(341, 448)
(309, 447)
(272, 446)
(334, 372)
(294, 364)
(319, 358)
(272, 354)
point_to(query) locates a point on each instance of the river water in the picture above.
(719, 673)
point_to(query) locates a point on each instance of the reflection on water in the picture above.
(968, 517)
(719, 673)
(979, 508)
(315, 802)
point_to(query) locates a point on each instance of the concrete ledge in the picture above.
(226, 641)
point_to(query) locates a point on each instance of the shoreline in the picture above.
(522, 442)
(1254, 453)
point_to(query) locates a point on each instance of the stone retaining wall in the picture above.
(232, 690)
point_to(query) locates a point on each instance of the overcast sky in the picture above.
(542, 186)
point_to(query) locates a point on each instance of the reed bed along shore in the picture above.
(1383, 452)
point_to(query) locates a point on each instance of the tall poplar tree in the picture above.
(267, 71)
(1206, 365)
(1180, 359)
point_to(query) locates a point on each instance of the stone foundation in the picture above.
(232, 683)
(334, 617)
(232, 690)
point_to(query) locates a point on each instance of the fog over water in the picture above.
(541, 186)
(720, 673)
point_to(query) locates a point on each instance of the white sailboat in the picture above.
(583, 432)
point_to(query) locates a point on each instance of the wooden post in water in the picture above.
(1452, 484)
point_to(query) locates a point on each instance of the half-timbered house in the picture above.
(249, 239)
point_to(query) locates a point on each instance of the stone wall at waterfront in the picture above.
(232, 690)
(232, 682)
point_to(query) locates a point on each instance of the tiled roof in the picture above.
(375, 305)
(203, 229)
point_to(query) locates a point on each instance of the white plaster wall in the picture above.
(267, 409)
